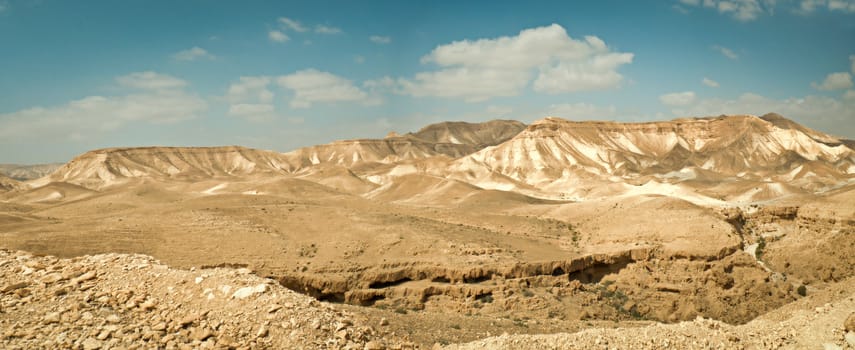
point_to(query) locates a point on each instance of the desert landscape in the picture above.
(717, 232)
(401, 175)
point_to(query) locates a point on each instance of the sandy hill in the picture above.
(28, 172)
(7, 184)
(479, 135)
(556, 155)
(107, 167)
(707, 161)
(452, 139)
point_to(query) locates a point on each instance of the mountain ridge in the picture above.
(552, 158)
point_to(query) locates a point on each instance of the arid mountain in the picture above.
(452, 139)
(479, 135)
(703, 160)
(7, 184)
(28, 172)
(107, 167)
(560, 156)
(446, 235)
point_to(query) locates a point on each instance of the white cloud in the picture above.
(852, 62)
(499, 111)
(253, 111)
(579, 111)
(192, 54)
(809, 6)
(709, 82)
(377, 39)
(481, 69)
(150, 81)
(835, 81)
(322, 29)
(726, 52)
(823, 113)
(849, 95)
(250, 89)
(250, 98)
(678, 98)
(847, 6)
(292, 24)
(158, 101)
(741, 10)
(277, 36)
(312, 86)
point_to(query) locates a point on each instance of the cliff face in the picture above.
(743, 147)
(107, 167)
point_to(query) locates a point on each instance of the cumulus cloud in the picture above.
(579, 111)
(678, 98)
(150, 81)
(193, 54)
(726, 52)
(820, 112)
(482, 69)
(377, 39)
(313, 86)
(835, 81)
(741, 10)
(809, 6)
(709, 82)
(157, 98)
(250, 98)
(292, 24)
(322, 29)
(277, 36)
(250, 89)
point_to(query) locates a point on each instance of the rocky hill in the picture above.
(132, 301)
(114, 166)
(557, 155)
(7, 184)
(22, 172)
(451, 139)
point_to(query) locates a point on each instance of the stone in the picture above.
(849, 324)
(273, 308)
(202, 334)
(186, 321)
(262, 332)
(52, 278)
(850, 338)
(85, 277)
(147, 305)
(14, 286)
(373, 345)
(53, 317)
(113, 319)
(384, 322)
(103, 335)
(246, 292)
(91, 344)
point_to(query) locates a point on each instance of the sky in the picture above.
(279, 75)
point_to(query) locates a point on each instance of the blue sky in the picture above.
(76, 76)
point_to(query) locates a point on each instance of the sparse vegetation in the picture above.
(761, 246)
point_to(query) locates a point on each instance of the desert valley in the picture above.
(721, 232)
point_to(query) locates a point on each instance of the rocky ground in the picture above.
(822, 321)
(119, 301)
(116, 301)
